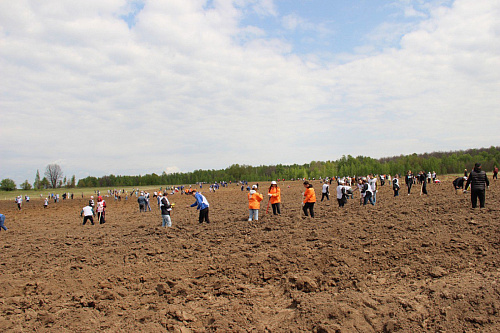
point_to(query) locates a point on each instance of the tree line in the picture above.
(440, 162)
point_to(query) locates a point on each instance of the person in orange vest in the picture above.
(254, 199)
(309, 199)
(274, 194)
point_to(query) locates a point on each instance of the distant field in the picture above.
(37, 194)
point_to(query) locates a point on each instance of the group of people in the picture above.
(88, 212)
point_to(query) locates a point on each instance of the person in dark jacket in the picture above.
(459, 183)
(479, 182)
(142, 202)
(409, 180)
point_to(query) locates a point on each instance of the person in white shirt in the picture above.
(372, 181)
(325, 192)
(88, 214)
(341, 193)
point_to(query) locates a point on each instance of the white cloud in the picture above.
(179, 91)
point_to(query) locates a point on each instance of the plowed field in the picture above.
(410, 263)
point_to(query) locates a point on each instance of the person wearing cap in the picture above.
(274, 194)
(309, 199)
(325, 191)
(341, 193)
(2, 222)
(141, 200)
(254, 199)
(479, 182)
(202, 205)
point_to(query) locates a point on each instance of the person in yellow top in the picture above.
(274, 194)
(254, 199)
(309, 199)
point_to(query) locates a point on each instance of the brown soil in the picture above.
(412, 263)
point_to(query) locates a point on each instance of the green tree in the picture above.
(37, 184)
(7, 184)
(26, 185)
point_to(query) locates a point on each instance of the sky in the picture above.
(124, 87)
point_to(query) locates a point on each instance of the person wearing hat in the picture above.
(202, 205)
(309, 199)
(274, 194)
(254, 199)
(479, 182)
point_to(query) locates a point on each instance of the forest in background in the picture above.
(440, 162)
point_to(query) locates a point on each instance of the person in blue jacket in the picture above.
(2, 221)
(202, 205)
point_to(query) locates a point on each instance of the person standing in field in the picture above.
(19, 202)
(309, 199)
(101, 210)
(325, 192)
(141, 200)
(46, 203)
(88, 214)
(146, 195)
(274, 194)
(409, 181)
(479, 183)
(422, 178)
(165, 208)
(2, 222)
(495, 173)
(254, 199)
(341, 193)
(92, 204)
(202, 205)
(366, 191)
(372, 181)
(395, 185)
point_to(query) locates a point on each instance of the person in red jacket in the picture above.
(274, 194)
(309, 199)
(254, 199)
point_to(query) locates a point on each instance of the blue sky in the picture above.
(133, 87)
